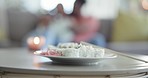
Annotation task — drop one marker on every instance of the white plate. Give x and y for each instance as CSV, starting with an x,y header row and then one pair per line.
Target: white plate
x,y
80,61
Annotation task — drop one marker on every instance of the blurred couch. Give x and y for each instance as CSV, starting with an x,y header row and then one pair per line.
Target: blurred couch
x,y
124,34
129,33
20,23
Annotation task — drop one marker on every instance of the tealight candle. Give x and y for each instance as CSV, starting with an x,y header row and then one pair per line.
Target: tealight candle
x,y
35,43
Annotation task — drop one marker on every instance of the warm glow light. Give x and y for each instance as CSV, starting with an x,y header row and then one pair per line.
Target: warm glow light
x,y
145,4
36,40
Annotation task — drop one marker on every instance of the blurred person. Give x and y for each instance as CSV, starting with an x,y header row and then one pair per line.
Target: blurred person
x,y
86,28
43,30
61,25
60,10
55,29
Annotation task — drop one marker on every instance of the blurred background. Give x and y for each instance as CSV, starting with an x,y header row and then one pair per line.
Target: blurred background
x,y
120,25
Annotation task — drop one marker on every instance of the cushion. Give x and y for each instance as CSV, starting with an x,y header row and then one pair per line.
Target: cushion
x,y
129,27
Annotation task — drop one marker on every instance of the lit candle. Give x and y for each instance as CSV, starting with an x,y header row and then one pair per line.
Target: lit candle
x,y
36,40
35,43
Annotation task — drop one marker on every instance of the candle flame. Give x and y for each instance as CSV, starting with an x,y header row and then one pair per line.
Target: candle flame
x,y
36,40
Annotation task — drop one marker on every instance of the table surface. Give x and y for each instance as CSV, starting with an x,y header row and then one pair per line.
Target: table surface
x,y
21,60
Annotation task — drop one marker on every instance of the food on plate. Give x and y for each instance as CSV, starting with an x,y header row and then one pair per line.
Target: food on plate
x,y
68,45
74,50
51,47
51,53
69,52
89,51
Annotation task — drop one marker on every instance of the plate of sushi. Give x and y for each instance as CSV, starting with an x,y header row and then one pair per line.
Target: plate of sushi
x,y
75,54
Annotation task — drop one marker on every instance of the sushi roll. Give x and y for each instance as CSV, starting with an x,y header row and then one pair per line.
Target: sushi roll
x,y
69,52
89,51
77,50
99,52
68,45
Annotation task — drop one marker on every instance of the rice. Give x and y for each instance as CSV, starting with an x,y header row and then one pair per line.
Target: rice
x,y
51,47
99,52
68,45
79,50
89,51
70,52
